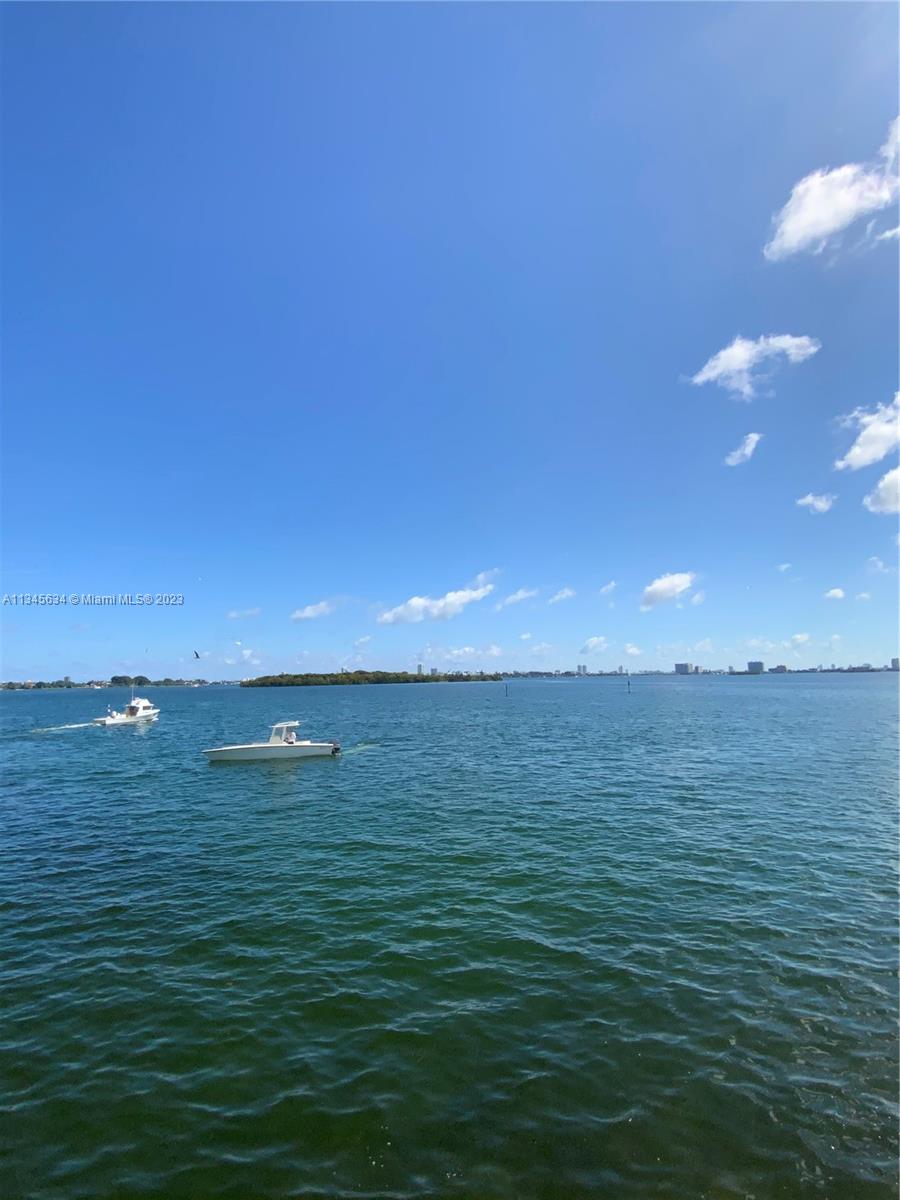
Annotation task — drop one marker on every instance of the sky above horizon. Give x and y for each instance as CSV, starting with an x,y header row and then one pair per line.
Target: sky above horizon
x,y
482,336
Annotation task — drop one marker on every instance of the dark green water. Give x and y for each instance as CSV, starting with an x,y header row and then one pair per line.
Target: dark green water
x,y
567,943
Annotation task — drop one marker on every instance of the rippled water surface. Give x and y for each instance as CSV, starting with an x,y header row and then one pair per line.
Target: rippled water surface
x,y
567,942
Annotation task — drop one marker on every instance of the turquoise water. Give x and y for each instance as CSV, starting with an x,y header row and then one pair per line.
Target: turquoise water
x,y
566,943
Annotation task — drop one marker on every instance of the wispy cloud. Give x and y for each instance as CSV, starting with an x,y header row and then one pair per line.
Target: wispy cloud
x,y
666,587
360,642
526,637
764,644
515,598
863,596
608,588
799,639
816,504
885,496
698,598
889,235
834,594
594,645
311,611
879,434
251,657
784,567
236,614
632,650
417,608
565,593
468,652
733,368
744,452
876,566
828,201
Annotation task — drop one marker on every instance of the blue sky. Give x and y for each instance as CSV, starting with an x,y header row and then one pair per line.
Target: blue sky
x,y
312,310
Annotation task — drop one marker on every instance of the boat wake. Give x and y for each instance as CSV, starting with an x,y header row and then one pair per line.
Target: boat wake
x,y
57,728
359,749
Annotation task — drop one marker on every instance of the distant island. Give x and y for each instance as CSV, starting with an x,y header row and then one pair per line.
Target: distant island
x,y
346,678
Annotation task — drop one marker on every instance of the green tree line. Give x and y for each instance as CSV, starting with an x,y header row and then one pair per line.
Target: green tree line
x,y
347,678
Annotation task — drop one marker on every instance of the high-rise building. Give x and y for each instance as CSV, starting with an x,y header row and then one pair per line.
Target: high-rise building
x,y
895,664
683,668
755,668
434,671
421,670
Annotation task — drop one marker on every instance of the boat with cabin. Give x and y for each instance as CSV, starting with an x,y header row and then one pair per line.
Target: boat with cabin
x,y
136,712
283,744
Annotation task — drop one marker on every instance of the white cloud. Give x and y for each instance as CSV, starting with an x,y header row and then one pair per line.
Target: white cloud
x,y
698,598
594,645
526,637
311,611
360,642
462,652
744,450
666,587
250,656
760,643
827,201
237,613
799,639
634,651
516,598
863,596
417,608
608,588
541,648
889,235
784,567
834,594
703,647
733,367
877,567
879,434
816,504
885,496
565,593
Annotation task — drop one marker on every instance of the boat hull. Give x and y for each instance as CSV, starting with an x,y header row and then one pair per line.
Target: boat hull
x,y
268,751
108,722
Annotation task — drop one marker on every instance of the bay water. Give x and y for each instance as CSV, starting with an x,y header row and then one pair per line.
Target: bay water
x,y
550,939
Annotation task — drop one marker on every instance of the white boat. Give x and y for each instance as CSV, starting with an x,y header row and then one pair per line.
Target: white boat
x,y
283,743
135,712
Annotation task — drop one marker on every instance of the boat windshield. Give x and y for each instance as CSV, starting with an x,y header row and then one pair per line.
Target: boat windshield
x,y
283,733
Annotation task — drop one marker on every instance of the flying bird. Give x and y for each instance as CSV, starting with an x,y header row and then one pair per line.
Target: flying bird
x,y
196,655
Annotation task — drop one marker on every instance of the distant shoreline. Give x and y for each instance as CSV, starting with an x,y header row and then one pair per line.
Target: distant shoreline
x,y
359,678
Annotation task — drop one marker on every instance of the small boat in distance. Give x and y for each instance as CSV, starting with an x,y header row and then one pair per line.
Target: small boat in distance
x,y
282,744
135,712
